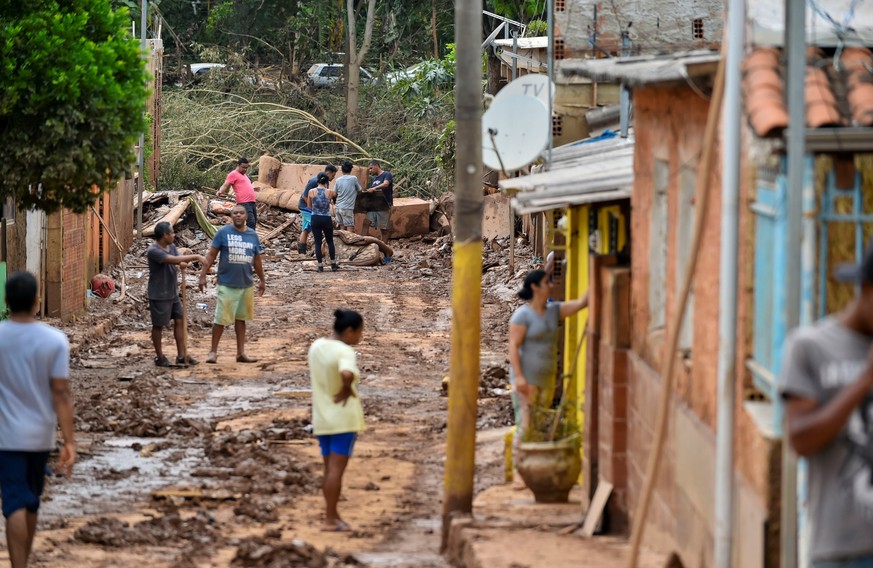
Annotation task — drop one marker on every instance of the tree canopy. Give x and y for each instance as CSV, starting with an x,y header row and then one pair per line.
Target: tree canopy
x,y
71,101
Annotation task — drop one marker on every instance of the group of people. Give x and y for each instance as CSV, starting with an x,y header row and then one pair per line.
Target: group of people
x,y
315,204
35,394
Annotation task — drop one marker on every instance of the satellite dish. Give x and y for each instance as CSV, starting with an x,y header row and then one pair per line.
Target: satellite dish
x,y
531,85
519,128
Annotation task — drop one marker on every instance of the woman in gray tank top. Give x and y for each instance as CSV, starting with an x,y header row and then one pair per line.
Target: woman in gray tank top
x,y
533,350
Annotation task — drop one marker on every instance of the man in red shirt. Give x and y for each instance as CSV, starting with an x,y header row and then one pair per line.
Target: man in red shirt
x,y
243,190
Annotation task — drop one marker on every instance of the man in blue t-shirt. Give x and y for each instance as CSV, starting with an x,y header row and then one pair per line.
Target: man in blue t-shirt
x,y
381,219
305,212
240,254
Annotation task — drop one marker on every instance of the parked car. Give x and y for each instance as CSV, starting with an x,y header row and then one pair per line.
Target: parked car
x,y
330,74
201,69
393,77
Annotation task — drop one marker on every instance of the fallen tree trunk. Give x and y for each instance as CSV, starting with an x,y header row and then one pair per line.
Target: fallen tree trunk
x,y
172,217
283,198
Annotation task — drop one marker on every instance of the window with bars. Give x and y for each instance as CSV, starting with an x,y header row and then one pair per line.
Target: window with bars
x,y
697,28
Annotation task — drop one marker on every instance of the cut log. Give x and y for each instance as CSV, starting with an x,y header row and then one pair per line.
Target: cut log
x,y
410,217
268,170
282,198
440,223
495,216
172,217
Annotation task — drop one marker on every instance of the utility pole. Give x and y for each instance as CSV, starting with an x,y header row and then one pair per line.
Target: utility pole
x,y
727,308
140,161
466,267
795,49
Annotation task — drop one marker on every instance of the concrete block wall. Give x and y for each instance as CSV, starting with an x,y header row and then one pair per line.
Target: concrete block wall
x,y
658,25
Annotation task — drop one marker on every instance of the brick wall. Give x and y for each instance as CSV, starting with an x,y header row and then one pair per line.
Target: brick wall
x,y
612,397
681,517
73,277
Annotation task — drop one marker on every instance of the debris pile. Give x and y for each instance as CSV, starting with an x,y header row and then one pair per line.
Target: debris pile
x,y
131,410
247,456
171,527
257,552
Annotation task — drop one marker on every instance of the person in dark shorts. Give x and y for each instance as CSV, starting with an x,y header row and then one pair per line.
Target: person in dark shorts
x,y
305,211
35,398
382,181
163,291
337,413
243,190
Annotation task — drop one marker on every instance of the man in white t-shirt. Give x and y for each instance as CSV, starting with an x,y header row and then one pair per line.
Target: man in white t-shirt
x,y
34,398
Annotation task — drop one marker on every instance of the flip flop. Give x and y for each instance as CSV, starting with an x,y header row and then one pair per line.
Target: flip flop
x,y
245,359
162,362
212,358
341,526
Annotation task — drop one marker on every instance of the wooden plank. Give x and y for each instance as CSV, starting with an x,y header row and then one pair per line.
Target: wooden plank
x,y
595,511
272,234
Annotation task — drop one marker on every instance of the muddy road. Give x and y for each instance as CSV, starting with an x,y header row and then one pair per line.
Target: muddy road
x,y
214,465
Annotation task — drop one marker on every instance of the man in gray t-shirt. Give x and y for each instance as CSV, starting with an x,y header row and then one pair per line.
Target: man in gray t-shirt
x,y
347,188
827,382
35,399
163,292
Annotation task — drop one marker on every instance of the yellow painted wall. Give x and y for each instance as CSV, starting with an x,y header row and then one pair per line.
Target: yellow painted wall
x,y
576,282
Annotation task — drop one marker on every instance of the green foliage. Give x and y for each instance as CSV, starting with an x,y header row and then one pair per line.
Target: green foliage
x,y
521,10
430,78
179,174
71,101
537,28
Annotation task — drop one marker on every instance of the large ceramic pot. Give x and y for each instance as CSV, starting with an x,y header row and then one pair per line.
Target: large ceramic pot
x,y
549,469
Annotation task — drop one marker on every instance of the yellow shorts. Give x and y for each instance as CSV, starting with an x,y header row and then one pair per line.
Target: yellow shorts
x,y
234,304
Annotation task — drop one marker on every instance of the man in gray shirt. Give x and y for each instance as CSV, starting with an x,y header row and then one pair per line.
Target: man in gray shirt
x,y
163,292
35,398
347,188
827,382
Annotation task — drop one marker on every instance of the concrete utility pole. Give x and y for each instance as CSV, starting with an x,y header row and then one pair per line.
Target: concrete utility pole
x,y
727,309
466,266
140,161
795,49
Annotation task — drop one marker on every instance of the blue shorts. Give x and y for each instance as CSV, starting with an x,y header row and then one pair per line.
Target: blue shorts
x,y
341,444
306,215
22,478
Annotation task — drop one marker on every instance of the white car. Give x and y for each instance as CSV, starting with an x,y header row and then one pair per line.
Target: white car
x,y
400,75
330,74
201,69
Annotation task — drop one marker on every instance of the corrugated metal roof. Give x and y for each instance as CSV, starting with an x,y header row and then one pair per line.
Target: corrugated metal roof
x,y
525,43
588,172
645,69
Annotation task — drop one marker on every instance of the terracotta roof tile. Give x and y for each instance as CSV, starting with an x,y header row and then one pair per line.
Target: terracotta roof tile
x,y
765,92
840,95
858,64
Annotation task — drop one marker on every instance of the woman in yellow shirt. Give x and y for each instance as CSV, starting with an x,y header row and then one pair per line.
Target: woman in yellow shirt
x,y
337,414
